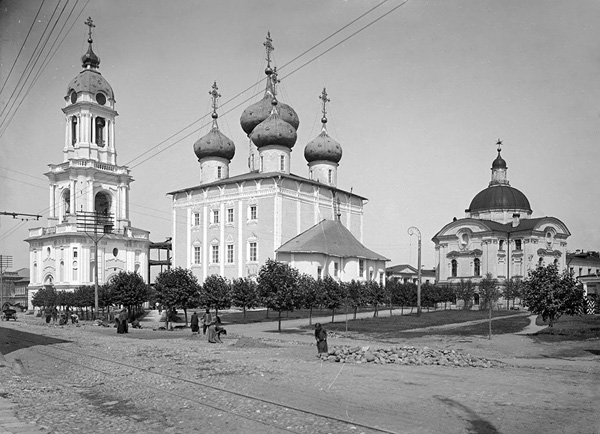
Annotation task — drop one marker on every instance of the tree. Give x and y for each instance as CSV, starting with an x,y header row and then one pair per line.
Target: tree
x,y
355,294
278,286
244,294
216,292
44,297
177,288
489,291
375,295
332,294
464,290
310,297
512,290
128,289
551,294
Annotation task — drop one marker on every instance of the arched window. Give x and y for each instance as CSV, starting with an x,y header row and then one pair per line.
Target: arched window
x,y
100,122
73,130
454,268
541,262
477,267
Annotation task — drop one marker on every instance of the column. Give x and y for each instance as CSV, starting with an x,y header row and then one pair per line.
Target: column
x,y
67,132
52,203
205,245
188,235
240,243
72,187
222,247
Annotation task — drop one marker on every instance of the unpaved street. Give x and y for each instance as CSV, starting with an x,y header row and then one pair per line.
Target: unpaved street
x,y
89,379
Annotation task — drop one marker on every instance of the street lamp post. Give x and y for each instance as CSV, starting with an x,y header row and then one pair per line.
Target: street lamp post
x,y
414,231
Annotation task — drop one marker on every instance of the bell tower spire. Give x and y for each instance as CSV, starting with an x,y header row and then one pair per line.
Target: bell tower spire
x,y
499,168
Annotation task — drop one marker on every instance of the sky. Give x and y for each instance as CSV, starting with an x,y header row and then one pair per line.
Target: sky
x,y
420,93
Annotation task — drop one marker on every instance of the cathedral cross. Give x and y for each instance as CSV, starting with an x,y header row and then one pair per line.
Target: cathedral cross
x,y
323,97
90,24
499,144
269,47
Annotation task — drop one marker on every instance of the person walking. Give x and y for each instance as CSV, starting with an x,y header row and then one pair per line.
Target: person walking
x,y
195,323
206,320
321,337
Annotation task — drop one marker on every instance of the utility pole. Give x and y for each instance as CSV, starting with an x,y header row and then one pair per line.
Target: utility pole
x,y
20,214
5,262
414,231
96,226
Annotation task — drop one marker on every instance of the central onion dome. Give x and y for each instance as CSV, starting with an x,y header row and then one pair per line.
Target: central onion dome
x,y
499,163
90,80
260,111
274,131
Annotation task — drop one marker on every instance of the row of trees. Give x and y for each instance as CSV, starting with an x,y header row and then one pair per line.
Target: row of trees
x,y
280,287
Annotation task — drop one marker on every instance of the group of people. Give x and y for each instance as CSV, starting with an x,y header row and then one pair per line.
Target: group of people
x,y
52,314
213,326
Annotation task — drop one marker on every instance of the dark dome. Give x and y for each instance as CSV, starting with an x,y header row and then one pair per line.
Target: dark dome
x,y
499,163
214,144
261,110
500,197
323,147
274,131
90,81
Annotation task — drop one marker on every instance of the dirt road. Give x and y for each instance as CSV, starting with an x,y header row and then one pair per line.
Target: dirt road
x,y
91,379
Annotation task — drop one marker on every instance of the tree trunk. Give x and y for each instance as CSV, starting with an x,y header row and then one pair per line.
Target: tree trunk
x,y
310,316
333,315
355,310
490,323
185,314
244,309
279,323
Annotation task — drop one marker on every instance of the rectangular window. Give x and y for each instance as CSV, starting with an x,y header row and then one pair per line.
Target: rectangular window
x,y
361,268
74,252
252,254
215,216
501,247
329,176
219,172
215,254
197,255
229,215
336,269
230,253
517,244
252,212
319,271
196,219
282,163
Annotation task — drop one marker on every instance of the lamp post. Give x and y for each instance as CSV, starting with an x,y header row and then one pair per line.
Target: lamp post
x,y
414,231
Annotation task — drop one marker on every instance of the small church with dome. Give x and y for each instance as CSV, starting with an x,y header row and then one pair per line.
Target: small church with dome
x,y
498,235
230,225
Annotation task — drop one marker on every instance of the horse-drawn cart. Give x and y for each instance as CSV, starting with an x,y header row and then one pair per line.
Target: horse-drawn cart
x,y
8,314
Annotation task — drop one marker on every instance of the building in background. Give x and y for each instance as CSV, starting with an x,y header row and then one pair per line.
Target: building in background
x,y
230,225
89,195
14,288
499,236
405,273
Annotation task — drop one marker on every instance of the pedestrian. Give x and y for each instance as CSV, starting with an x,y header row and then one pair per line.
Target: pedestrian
x,y
194,323
54,314
48,314
122,318
206,320
321,337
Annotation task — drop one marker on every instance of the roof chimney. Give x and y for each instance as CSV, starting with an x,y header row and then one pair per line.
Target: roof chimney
x,y
515,221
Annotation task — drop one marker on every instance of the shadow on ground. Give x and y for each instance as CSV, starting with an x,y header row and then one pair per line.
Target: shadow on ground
x,y
13,340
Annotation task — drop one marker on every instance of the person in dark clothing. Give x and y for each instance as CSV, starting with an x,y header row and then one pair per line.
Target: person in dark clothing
x,y
321,337
195,323
122,318
206,320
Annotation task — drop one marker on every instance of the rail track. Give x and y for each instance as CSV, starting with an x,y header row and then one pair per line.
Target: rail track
x,y
255,413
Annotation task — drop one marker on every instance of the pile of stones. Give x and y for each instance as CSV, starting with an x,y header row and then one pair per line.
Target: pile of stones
x,y
405,355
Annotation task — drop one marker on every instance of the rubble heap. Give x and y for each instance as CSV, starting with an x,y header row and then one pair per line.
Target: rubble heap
x,y
405,355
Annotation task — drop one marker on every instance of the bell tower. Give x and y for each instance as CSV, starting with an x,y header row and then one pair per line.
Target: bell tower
x,y
89,178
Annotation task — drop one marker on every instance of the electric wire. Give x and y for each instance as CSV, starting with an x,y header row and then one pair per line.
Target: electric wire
x,y
22,45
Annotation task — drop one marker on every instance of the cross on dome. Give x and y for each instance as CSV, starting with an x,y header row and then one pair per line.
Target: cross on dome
x,y
269,48
214,93
499,144
90,23
323,97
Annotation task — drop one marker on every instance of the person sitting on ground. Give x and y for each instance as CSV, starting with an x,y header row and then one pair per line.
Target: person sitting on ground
x,y
136,324
74,318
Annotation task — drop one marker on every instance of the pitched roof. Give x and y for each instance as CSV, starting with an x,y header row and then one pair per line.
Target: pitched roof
x,y
329,237
256,175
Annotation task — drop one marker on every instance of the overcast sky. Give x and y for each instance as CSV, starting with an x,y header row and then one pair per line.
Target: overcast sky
x,y
418,100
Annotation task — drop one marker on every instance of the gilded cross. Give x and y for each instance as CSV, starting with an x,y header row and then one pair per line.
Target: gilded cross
x,y
323,97
269,47
214,93
90,24
499,144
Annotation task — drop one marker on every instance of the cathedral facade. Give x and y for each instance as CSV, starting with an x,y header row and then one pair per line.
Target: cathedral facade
x,y
230,225
88,230
499,235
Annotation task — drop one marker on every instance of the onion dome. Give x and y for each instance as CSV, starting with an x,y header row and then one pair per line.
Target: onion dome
x,y
500,197
499,162
90,80
323,147
215,143
259,111
274,131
